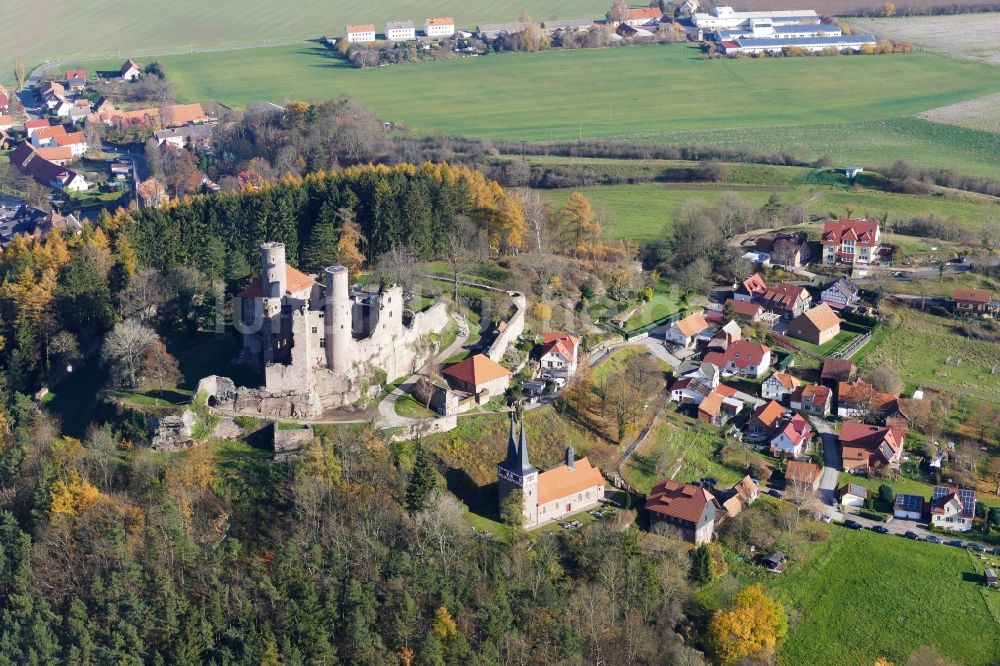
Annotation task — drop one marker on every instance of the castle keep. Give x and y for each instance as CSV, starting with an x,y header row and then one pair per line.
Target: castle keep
x,y
320,345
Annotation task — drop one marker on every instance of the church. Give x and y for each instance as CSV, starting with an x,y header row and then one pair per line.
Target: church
x,y
547,496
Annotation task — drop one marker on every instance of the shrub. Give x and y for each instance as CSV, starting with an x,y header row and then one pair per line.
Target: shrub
x,y
874,515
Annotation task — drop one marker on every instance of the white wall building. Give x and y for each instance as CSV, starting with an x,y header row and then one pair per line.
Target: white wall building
x,y
400,31
727,17
360,34
442,26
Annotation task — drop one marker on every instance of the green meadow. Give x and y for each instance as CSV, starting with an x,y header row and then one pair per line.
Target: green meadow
x,y
850,109
104,28
642,212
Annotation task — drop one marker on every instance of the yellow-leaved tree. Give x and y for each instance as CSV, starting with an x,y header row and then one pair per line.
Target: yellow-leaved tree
x,y
755,624
73,495
578,222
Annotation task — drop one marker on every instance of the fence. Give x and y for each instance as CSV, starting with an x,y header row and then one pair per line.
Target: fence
x,y
855,345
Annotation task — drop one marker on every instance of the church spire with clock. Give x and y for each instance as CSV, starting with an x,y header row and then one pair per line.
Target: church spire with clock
x,y
516,472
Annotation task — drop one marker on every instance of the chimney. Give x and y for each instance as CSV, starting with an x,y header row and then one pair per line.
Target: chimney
x,y
570,458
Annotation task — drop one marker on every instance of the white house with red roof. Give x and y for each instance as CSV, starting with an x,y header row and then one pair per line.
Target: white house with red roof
x,y
76,79
687,508
560,354
441,26
750,289
685,332
643,17
779,386
360,34
851,241
743,357
792,437
867,447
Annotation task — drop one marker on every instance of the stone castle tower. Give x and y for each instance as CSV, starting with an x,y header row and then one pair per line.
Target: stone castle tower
x,y
517,473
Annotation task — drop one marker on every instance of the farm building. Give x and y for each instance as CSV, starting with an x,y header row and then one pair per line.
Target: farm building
x,y
722,18
818,325
815,44
766,29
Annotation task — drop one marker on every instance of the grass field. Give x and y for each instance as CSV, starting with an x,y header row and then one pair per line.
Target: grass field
x,y
642,212
102,28
680,449
864,595
858,108
918,349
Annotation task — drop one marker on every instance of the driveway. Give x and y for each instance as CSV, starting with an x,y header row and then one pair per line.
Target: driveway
x,y
388,418
831,457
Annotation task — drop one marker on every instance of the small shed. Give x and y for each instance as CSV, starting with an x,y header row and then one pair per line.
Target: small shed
x,y
776,562
990,578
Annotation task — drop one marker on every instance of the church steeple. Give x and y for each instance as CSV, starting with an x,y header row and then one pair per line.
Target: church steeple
x,y
512,442
524,462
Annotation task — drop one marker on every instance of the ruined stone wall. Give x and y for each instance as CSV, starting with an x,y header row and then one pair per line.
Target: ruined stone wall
x,y
515,327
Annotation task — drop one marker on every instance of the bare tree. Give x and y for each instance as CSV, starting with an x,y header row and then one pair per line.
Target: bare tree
x,y
885,380
459,249
145,295
396,266
536,211
123,349
101,444
159,364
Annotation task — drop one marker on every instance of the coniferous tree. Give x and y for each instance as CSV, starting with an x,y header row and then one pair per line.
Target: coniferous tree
x,y
423,481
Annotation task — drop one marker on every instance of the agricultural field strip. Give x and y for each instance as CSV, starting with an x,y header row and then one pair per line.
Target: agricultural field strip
x,y
967,36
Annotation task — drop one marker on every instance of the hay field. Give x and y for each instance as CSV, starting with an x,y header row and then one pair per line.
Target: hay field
x,y
969,36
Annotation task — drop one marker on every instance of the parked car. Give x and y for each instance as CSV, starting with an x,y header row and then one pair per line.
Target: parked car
x,y
709,481
853,524
774,492
976,547
956,543
880,529
932,539
910,534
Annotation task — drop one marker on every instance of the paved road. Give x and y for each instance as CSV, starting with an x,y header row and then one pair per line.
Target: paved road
x,y
388,418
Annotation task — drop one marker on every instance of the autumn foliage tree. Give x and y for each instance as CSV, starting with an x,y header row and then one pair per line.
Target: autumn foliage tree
x,y
753,625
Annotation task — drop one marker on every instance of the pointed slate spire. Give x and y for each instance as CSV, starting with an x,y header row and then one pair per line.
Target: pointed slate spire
x,y
526,466
512,444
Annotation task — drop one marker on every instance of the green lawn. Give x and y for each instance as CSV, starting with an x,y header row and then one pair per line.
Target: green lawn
x,y
408,406
862,595
839,341
642,212
852,109
684,446
917,351
667,300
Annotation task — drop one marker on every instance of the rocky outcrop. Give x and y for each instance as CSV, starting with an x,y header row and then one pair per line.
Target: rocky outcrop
x,y
288,443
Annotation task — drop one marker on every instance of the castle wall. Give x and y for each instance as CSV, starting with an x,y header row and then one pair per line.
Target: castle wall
x,y
515,327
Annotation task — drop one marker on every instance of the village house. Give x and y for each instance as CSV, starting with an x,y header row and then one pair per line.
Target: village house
x,y
791,436
953,508
643,17
852,494
764,421
803,476
559,355
779,386
866,448
744,311
724,336
79,111
973,301
174,115
786,299
851,241
479,376
199,137
439,27
28,160
362,33
814,399
32,126
56,135
719,405
690,509
130,70
908,507
751,289
28,221
902,413
741,495
52,94
744,358
76,79
818,325
400,31
6,122
785,249
835,371
840,294
685,332
4,99
859,399
547,496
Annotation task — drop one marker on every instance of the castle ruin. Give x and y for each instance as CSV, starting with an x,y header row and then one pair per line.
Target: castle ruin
x,y
320,346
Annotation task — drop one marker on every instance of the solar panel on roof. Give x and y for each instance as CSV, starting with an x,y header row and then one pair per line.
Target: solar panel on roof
x,y
968,498
909,502
941,491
